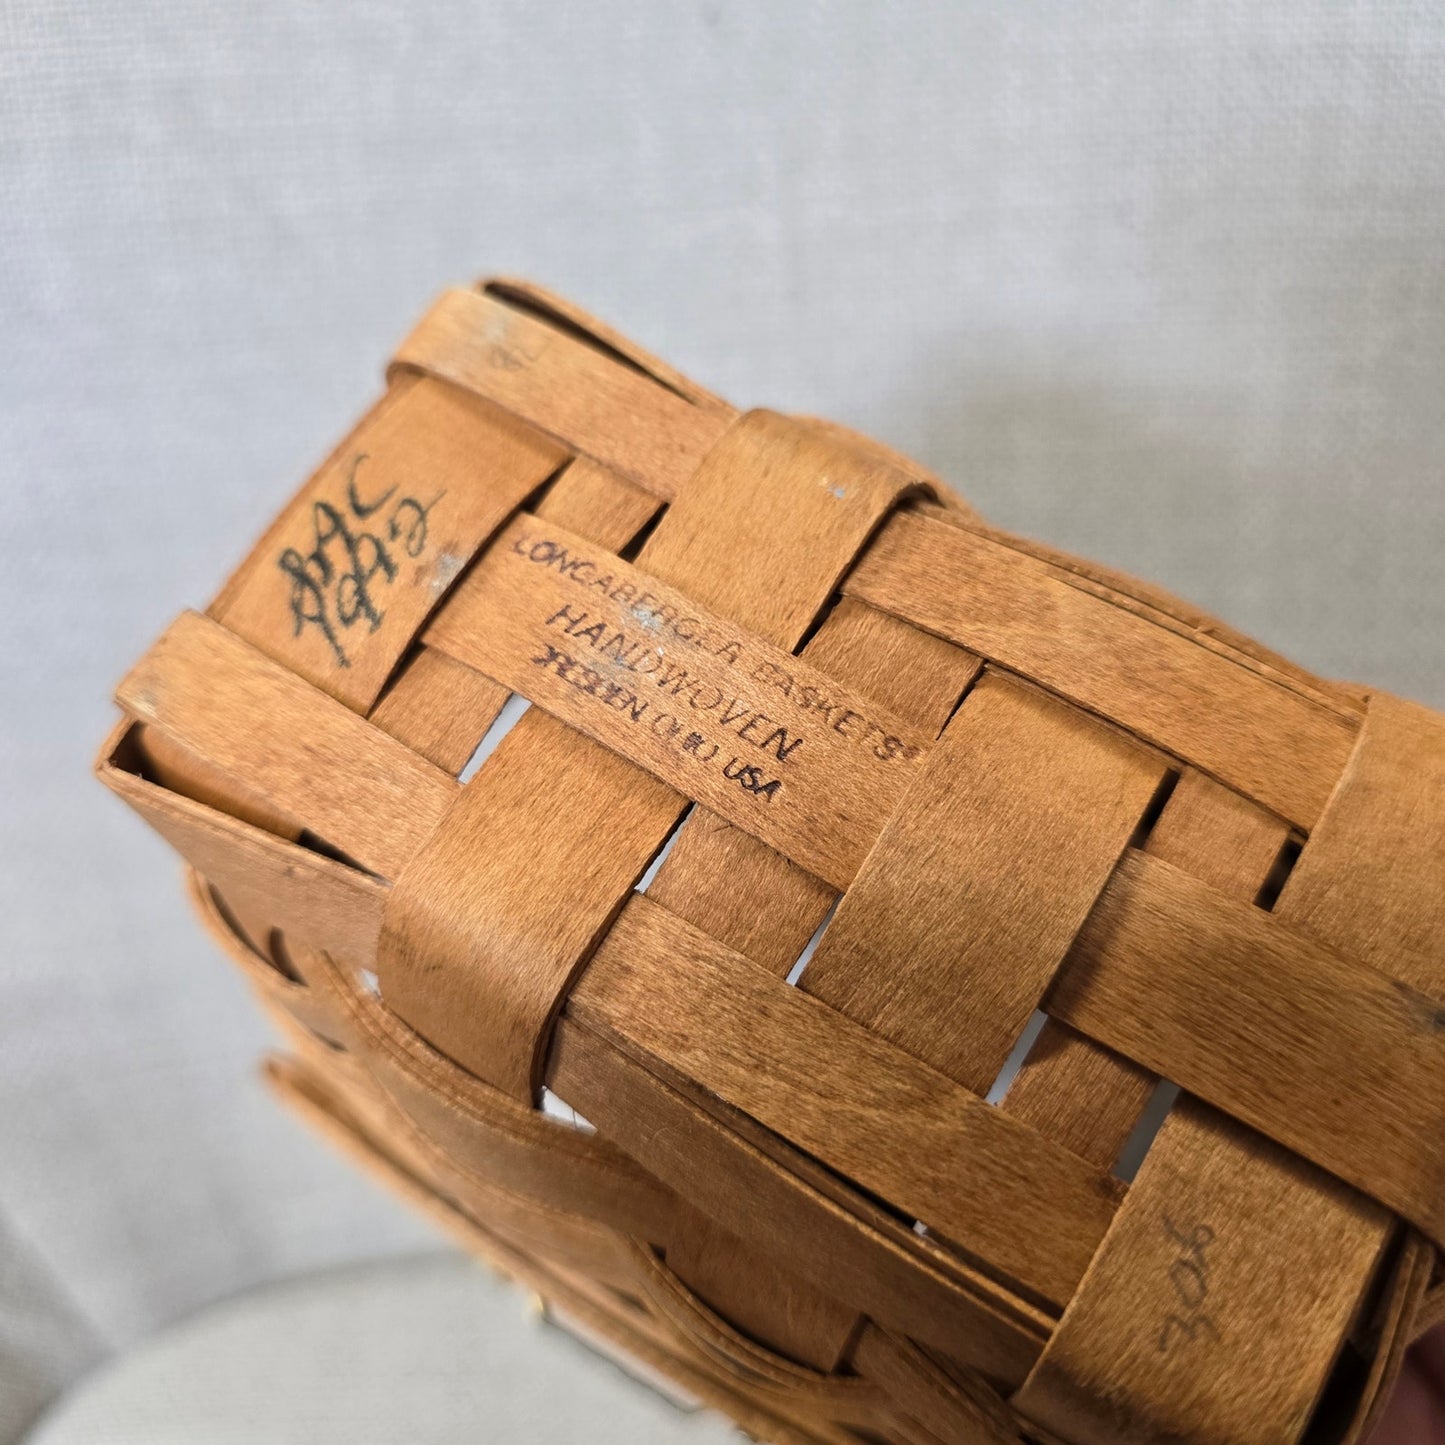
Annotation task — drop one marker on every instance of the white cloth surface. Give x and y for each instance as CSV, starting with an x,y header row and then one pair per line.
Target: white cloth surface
x,y
1161,283
431,1350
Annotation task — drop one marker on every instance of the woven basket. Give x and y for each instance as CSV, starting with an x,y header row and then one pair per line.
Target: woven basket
x,y
684,994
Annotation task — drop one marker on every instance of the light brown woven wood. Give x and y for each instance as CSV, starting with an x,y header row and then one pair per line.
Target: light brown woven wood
x,y
824,790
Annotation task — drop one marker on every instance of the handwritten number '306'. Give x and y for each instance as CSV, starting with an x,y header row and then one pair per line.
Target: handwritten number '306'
x,y
1189,1279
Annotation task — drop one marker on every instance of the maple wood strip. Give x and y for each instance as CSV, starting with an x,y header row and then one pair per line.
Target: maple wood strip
x,y
336,1071
744,893
950,934
164,761
1163,1339
759,1295
790,499
567,389
1329,1058
763,739
944,502
371,544
459,958
838,1404
597,504
1262,739
963,1409
1431,1311
551,814
558,311
537,1227
157,759
512,1145
741,892
335,907
605,1318
800,504
308,1008
561,1235
393,396
1390,1333
300,750
914,675
245,934
696,1320
1368,882
750,1194
1087,1097
751,1219
1218,1384
1218,836
1371,880
829,1403
769,486
1079,1094
869,1213
1164,607
839,1093
440,708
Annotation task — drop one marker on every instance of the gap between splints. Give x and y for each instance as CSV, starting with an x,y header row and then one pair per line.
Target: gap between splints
x,y
538,310
1017,1055
1278,876
502,724
811,946
1155,808
660,857
1141,1136
560,1110
640,538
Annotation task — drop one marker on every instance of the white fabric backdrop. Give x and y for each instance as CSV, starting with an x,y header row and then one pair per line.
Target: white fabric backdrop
x,y
1163,284
418,1350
